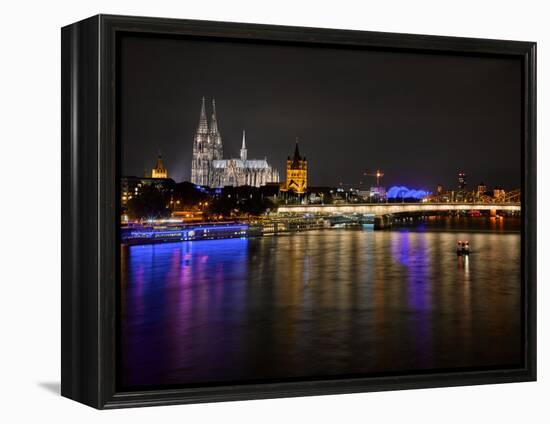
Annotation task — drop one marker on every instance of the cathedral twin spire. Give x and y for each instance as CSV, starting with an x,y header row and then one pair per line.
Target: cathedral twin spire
x,y
203,122
204,126
208,138
207,146
213,119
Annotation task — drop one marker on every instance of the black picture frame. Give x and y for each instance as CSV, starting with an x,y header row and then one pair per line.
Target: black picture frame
x,y
90,207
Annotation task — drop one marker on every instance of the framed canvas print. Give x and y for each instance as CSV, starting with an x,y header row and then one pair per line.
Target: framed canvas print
x,y
256,211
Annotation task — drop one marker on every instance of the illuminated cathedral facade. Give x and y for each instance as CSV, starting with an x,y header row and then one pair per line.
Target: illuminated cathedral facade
x,y
209,168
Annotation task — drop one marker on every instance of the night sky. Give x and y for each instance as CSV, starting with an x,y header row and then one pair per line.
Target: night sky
x,y
420,118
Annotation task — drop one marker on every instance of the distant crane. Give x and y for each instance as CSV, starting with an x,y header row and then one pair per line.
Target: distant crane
x,y
378,174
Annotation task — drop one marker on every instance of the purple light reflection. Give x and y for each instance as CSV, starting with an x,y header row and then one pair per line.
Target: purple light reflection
x,y
173,309
411,250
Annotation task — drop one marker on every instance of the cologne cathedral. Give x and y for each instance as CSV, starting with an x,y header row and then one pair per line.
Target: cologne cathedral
x,y
209,168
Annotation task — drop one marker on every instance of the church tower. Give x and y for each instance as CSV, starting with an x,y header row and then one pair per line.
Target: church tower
x,y
159,171
202,151
214,135
296,173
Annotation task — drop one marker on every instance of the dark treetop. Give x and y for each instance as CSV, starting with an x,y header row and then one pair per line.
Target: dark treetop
x,y
419,117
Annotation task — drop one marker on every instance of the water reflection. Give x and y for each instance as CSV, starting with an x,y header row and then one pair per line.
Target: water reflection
x,y
318,304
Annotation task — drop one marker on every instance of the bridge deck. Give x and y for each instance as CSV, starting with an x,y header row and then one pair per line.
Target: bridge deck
x,y
395,208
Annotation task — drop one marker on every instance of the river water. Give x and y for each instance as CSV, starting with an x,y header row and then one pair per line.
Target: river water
x,y
323,303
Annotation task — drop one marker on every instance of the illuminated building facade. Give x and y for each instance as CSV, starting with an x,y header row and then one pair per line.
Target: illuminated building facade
x,y
378,193
402,192
159,171
242,171
296,173
481,189
499,193
209,168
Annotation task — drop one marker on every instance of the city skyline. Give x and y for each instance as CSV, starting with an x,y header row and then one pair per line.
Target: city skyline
x,y
343,130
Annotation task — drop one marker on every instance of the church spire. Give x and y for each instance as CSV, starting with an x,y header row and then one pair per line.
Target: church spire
x,y
214,120
202,153
203,122
296,152
243,148
215,137
159,163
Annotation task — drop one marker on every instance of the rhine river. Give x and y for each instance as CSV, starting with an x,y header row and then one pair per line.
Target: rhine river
x,y
322,303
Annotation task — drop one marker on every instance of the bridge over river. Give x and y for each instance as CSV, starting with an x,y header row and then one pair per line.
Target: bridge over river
x,y
381,209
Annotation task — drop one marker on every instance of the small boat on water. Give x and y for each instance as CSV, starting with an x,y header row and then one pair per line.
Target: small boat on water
x,y
462,248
